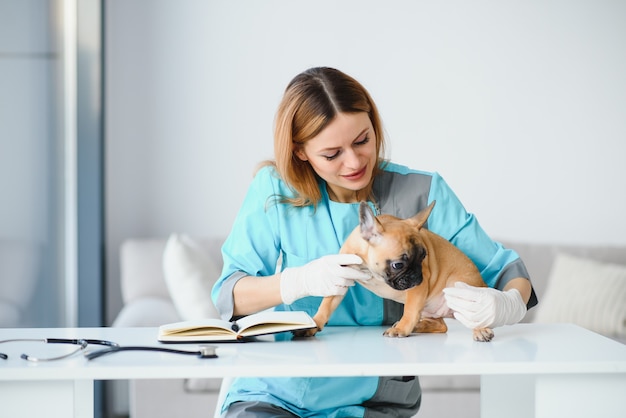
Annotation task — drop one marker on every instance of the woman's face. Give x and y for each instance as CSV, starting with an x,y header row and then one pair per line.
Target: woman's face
x,y
343,154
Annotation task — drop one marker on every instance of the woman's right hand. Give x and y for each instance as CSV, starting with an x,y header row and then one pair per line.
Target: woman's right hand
x,y
329,275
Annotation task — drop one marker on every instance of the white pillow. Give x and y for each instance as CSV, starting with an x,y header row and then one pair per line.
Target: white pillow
x,y
585,292
189,274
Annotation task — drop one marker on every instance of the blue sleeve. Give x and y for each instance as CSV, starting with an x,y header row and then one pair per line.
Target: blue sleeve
x,y
497,265
252,247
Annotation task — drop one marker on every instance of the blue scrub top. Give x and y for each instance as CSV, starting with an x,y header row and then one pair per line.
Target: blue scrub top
x,y
266,231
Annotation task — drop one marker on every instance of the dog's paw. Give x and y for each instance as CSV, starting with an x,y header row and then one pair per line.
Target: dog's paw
x,y
305,332
395,332
483,334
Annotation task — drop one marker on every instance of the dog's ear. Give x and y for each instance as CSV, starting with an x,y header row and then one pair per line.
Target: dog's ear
x,y
422,216
371,228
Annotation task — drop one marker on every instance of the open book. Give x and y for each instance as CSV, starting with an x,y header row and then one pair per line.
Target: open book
x,y
261,323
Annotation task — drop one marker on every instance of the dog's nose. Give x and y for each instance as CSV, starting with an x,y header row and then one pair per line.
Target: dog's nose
x,y
406,280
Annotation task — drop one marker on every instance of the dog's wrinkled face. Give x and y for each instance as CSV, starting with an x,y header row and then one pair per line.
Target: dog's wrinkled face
x,y
398,262
395,249
406,272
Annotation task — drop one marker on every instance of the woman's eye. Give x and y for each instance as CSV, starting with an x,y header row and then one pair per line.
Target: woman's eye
x,y
363,141
331,157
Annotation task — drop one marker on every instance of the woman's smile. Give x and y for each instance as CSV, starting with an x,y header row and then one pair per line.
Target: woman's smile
x,y
356,175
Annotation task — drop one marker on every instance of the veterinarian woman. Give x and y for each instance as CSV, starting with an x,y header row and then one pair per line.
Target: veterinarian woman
x,y
300,208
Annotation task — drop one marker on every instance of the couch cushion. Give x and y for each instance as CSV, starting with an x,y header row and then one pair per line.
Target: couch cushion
x,y
147,312
189,275
586,292
19,270
539,258
141,269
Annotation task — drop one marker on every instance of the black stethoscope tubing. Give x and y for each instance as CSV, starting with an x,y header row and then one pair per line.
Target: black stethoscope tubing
x,y
203,352
206,351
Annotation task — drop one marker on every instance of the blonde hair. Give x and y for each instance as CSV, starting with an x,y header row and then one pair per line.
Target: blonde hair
x,y
310,102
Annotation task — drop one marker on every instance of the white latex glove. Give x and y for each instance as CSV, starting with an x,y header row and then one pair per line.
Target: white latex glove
x,y
330,275
484,307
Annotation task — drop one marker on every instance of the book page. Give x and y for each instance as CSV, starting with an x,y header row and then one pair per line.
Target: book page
x,y
196,327
274,321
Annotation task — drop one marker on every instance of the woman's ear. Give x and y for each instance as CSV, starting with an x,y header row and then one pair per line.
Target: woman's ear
x,y
300,154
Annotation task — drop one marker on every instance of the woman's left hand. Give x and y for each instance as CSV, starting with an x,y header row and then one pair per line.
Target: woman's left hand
x,y
484,307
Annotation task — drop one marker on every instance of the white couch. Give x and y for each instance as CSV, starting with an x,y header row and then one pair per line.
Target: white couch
x,y
149,302
19,272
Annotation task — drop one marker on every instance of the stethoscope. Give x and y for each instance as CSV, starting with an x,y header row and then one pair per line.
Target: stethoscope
x,y
204,351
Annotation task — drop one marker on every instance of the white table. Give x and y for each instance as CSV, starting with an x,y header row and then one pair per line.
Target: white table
x,y
528,370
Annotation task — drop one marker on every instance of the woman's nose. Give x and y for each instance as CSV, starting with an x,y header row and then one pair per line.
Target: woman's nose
x,y
351,159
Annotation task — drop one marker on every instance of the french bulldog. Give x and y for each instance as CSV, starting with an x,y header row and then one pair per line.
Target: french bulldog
x,y
408,264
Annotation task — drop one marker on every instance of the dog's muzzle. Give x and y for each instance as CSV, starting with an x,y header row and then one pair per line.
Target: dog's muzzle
x,y
405,280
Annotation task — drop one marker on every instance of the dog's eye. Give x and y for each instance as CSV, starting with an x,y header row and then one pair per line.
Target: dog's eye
x,y
397,265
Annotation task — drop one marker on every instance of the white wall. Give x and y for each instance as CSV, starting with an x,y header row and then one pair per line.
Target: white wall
x,y
520,105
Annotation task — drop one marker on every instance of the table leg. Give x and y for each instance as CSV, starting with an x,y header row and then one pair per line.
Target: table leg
x,y
47,398
546,396
511,396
